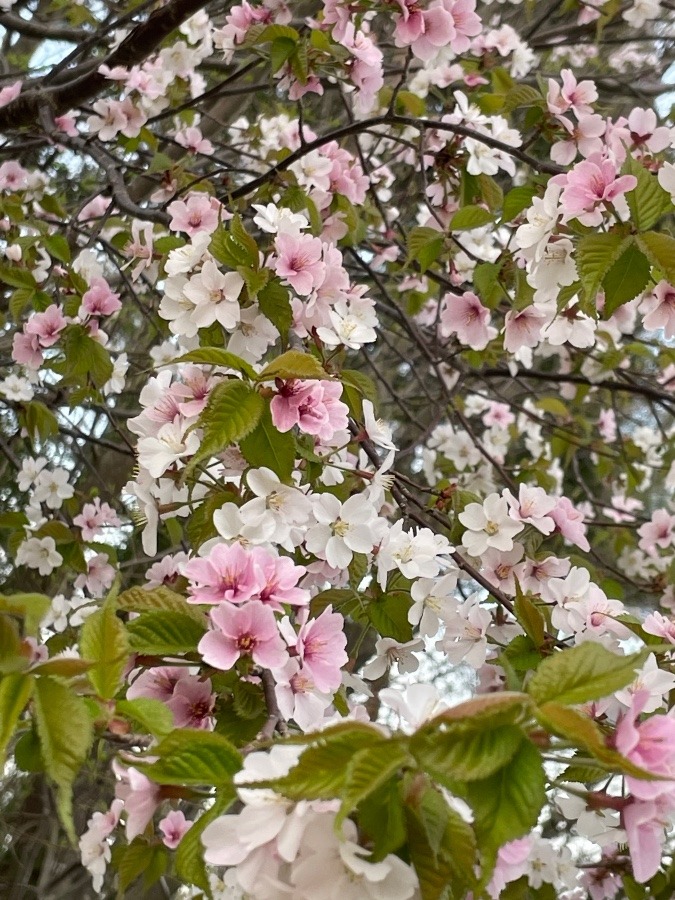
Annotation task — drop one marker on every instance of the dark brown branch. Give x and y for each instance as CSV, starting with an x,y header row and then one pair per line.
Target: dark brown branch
x,y
35,29
137,46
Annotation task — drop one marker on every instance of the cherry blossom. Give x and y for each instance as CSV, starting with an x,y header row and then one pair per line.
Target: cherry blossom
x,y
246,630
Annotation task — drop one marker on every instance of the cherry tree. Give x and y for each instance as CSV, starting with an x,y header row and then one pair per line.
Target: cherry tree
x,y
336,422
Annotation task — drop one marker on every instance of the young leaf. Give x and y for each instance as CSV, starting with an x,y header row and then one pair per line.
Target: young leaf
x,y
216,356
164,633
15,692
470,217
156,600
424,246
368,769
596,253
233,410
627,278
104,641
586,672
507,804
660,251
153,716
64,727
190,756
267,446
293,364
459,752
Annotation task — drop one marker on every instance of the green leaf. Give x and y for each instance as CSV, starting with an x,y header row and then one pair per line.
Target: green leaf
x,y
517,200
470,217
382,821
11,657
64,727
233,410
234,247
649,201
293,364
275,303
521,96
280,51
104,641
424,246
190,865
57,247
85,359
153,716
389,615
368,769
17,277
248,699
32,608
322,769
530,618
40,421
507,804
267,446
216,356
491,192
15,692
627,278
164,633
586,672
19,300
442,846
660,251
460,752
190,756
158,599
575,726
486,283
363,384
595,256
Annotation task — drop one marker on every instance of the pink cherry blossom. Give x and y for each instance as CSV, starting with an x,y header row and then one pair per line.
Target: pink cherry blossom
x,y
298,697
523,328
572,95
47,326
649,744
314,406
26,350
226,574
466,317
9,93
192,703
320,646
645,823
100,299
591,185
246,630
173,826
658,309
157,683
198,213
658,532
141,798
533,507
425,31
660,625
645,132
570,523
13,176
278,577
298,261
95,516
